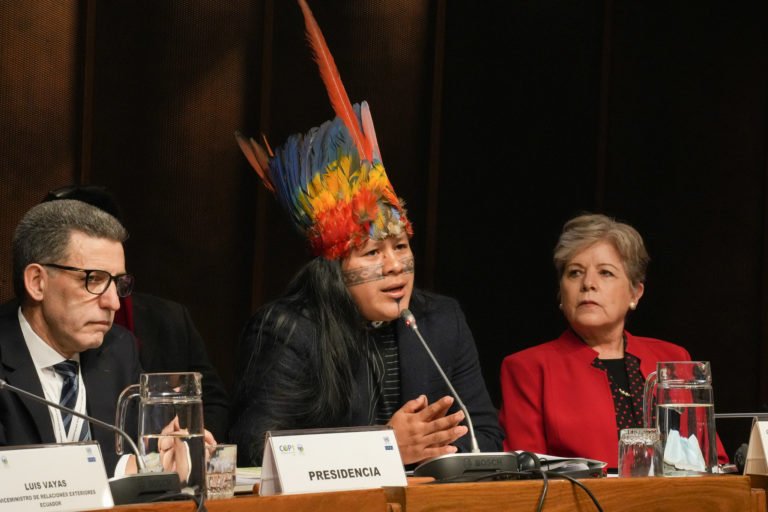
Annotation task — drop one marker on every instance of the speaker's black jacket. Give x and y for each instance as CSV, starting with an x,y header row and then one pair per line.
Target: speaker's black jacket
x,y
277,386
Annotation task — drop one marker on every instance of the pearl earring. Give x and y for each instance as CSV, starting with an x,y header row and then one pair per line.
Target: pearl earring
x,y
632,305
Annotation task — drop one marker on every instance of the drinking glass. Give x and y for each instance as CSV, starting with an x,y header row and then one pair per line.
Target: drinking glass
x,y
221,468
640,452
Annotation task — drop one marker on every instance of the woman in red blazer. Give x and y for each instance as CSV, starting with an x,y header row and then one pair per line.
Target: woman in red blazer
x,y
570,397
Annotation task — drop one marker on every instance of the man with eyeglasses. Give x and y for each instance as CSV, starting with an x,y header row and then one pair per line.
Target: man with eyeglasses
x,y
167,338
68,275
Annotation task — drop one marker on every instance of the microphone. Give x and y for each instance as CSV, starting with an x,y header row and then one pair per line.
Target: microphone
x,y
144,486
456,466
410,321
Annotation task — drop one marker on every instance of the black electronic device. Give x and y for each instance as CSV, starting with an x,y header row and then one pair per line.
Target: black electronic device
x,y
460,467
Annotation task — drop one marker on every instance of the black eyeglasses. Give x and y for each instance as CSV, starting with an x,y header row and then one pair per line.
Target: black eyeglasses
x,y
97,281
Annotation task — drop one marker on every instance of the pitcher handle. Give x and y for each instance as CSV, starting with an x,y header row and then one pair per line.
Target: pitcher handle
x,y
648,393
125,397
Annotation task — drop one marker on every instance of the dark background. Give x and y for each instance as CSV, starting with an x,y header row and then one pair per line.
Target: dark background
x,y
497,121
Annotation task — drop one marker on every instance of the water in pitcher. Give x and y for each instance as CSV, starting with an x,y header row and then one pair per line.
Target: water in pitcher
x,y
689,438
181,453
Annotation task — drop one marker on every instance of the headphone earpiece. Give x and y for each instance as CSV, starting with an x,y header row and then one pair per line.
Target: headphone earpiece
x,y
527,461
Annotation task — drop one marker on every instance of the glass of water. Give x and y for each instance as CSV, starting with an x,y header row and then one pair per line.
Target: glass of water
x,y
640,452
221,469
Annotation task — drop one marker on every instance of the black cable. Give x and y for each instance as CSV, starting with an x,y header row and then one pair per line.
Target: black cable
x,y
201,504
545,476
544,490
555,474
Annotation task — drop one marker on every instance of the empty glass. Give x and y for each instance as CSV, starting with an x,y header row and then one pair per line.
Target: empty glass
x,y
221,469
640,452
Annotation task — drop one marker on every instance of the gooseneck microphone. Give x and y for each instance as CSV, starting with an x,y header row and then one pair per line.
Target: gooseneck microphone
x,y
410,321
458,466
144,486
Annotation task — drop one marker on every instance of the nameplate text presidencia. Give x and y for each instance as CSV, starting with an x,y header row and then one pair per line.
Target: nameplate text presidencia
x,y
319,460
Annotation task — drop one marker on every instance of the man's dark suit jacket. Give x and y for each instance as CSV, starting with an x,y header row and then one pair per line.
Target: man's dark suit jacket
x,y
277,385
106,371
169,342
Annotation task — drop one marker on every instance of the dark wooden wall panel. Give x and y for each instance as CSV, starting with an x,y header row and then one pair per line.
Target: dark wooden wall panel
x,y
39,110
169,86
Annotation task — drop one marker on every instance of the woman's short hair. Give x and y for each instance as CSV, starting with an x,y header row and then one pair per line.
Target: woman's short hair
x,y
588,229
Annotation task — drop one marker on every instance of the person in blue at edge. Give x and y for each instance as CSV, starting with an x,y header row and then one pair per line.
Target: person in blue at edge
x,y
331,352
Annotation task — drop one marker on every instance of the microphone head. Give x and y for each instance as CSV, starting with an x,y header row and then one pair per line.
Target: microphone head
x,y
408,318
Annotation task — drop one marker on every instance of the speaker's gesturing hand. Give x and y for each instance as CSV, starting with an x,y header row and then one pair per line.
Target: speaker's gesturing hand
x,y
424,431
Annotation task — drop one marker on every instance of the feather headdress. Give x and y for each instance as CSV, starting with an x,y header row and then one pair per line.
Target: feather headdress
x,y
331,180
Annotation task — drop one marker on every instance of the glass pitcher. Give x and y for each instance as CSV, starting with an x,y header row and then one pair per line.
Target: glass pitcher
x,y
679,401
170,425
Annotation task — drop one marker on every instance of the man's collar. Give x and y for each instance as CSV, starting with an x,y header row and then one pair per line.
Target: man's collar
x,y
43,355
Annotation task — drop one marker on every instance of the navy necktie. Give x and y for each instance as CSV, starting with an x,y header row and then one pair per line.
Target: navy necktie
x,y
69,371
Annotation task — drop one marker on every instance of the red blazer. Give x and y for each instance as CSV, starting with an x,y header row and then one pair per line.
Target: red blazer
x,y
555,402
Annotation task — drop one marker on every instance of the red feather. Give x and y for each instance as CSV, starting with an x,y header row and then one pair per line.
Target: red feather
x,y
257,157
330,75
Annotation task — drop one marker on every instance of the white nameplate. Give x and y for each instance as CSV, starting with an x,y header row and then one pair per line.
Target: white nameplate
x,y
319,460
757,453
60,477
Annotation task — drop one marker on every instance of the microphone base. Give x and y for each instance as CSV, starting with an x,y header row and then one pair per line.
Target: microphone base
x,y
458,467
143,487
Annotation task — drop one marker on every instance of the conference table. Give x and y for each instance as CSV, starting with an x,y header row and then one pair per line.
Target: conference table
x,y
722,493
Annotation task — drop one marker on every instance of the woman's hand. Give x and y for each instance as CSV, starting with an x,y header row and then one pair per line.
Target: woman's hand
x,y
424,431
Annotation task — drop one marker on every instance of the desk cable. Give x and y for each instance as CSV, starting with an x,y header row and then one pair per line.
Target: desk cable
x,y
545,476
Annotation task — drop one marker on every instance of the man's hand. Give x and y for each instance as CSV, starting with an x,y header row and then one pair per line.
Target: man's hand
x,y
424,431
174,450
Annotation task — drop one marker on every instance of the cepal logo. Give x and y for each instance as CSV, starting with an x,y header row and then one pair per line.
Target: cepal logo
x,y
388,444
300,448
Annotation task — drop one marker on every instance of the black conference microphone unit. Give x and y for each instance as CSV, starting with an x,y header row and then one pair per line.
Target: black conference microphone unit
x,y
468,466
141,487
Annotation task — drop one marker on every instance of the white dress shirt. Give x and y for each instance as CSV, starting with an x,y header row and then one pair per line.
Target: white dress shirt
x,y
44,357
